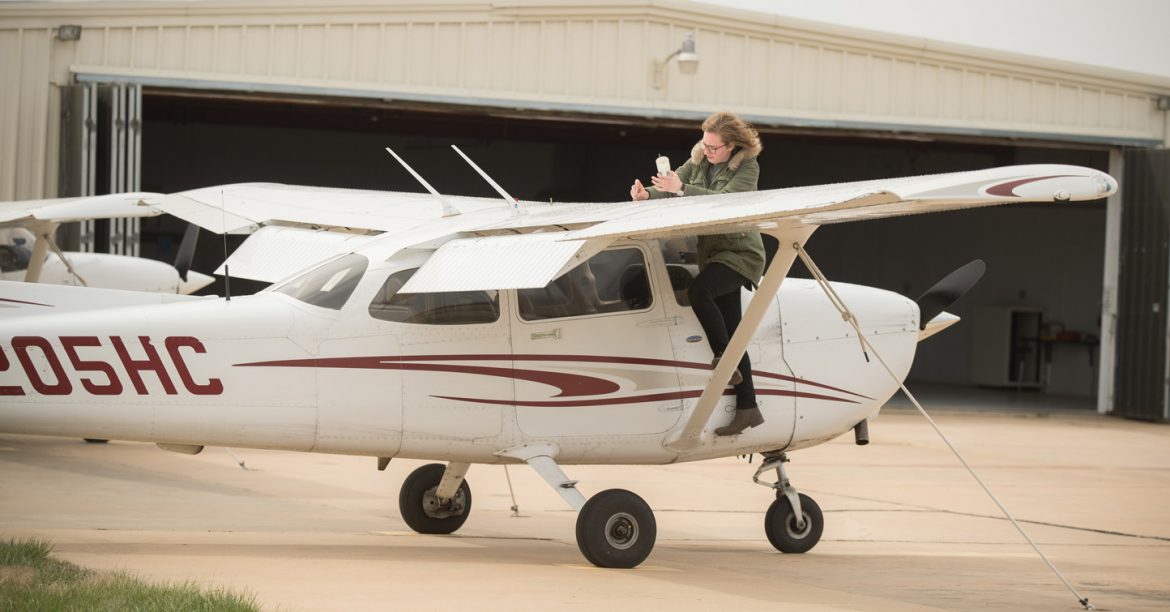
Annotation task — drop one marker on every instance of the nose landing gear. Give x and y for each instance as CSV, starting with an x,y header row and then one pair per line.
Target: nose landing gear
x,y
794,522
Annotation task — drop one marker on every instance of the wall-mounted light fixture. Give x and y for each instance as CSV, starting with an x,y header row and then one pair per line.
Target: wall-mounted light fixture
x,y
69,32
688,61
1163,103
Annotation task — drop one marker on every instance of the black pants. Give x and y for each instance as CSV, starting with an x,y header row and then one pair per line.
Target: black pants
x,y
715,299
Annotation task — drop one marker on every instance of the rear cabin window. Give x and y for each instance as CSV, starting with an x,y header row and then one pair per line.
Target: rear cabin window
x,y
611,281
446,308
328,285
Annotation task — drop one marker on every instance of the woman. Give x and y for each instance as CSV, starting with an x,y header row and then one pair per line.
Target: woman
x,y
724,161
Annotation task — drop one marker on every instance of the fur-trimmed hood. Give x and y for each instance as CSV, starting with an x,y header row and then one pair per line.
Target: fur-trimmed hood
x,y
736,159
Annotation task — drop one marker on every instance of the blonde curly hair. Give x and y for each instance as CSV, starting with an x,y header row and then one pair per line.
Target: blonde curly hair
x,y
733,130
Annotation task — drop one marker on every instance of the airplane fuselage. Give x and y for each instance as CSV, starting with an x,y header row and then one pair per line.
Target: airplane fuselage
x,y
606,381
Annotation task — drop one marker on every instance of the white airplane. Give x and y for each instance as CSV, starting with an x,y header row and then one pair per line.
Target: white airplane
x,y
28,251
479,331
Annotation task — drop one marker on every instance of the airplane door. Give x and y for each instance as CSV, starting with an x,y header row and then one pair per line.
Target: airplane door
x,y
593,355
775,386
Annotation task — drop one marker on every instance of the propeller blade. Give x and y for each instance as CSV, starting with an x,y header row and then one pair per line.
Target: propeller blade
x,y
948,291
186,250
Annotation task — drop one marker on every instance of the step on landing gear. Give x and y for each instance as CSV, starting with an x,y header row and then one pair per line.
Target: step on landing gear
x,y
794,521
435,499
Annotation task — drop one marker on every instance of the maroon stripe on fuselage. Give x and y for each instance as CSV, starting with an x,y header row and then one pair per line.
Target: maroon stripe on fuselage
x,y
635,399
24,302
387,361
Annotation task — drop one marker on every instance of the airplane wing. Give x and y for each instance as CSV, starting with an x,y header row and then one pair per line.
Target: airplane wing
x,y
780,211
24,213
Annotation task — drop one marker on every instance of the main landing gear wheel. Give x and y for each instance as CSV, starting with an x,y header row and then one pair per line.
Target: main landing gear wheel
x,y
786,533
616,528
423,511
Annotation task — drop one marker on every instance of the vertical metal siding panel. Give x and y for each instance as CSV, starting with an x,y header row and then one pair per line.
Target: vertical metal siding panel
x,y
996,96
365,53
731,75
1137,113
974,95
283,62
33,127
1112,111
853,84
577,63
257,46
806,77
395,55
606,59
10,65
881,85
311,52
926,91
118,48
229,49
950,94
1090,111
902,88
634,75
447,44
829,80
1044,103
781,76
526,77
200,49
1071,104
146,51
554,59
502,40
755,75
337,52
1020,94
706,82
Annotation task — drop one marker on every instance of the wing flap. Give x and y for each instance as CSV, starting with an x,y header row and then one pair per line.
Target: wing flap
x,y
521,261
275,252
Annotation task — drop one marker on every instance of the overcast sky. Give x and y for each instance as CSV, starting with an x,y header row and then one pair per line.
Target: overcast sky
x,y
1131,35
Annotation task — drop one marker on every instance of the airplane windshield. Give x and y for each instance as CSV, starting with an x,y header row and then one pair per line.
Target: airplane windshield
x,y
328,285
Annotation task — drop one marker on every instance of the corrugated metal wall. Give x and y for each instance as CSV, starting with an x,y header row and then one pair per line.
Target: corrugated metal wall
x,y
1142,335
586,58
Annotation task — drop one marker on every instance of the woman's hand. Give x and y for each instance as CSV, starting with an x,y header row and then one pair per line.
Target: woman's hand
x,y
638,192
669,183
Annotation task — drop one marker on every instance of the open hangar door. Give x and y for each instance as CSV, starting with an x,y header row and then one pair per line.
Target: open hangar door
x,y
1040,258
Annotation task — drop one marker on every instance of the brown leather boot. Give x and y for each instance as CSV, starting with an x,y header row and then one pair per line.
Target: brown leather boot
x,y
736,377
744,418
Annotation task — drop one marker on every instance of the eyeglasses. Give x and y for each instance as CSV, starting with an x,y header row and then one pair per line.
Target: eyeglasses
x,y
711,149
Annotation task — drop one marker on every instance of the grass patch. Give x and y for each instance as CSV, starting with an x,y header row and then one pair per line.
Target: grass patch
x,y
31,580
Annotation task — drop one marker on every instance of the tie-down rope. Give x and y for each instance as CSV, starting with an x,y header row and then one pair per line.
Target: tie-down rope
x,y
852,320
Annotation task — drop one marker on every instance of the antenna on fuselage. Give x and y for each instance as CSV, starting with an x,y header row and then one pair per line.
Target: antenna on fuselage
x,y
448,210
500,190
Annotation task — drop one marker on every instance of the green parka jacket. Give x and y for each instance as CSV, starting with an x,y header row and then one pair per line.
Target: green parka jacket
x,y
742,252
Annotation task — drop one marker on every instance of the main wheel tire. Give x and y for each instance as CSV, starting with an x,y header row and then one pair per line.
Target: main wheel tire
x,y
421,509
780,525
616,528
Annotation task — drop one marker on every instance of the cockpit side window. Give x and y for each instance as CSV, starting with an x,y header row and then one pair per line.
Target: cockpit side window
x,y
446,308
328,285
611,281
14,258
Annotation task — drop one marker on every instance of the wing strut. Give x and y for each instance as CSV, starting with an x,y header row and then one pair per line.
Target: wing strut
x,y
44,244
691,434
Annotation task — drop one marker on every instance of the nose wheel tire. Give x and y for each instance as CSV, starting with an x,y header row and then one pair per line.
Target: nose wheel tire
x,y
616,528
426,513
786,533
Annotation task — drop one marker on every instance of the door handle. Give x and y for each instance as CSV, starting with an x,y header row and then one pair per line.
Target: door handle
x,y
545,335
667,322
